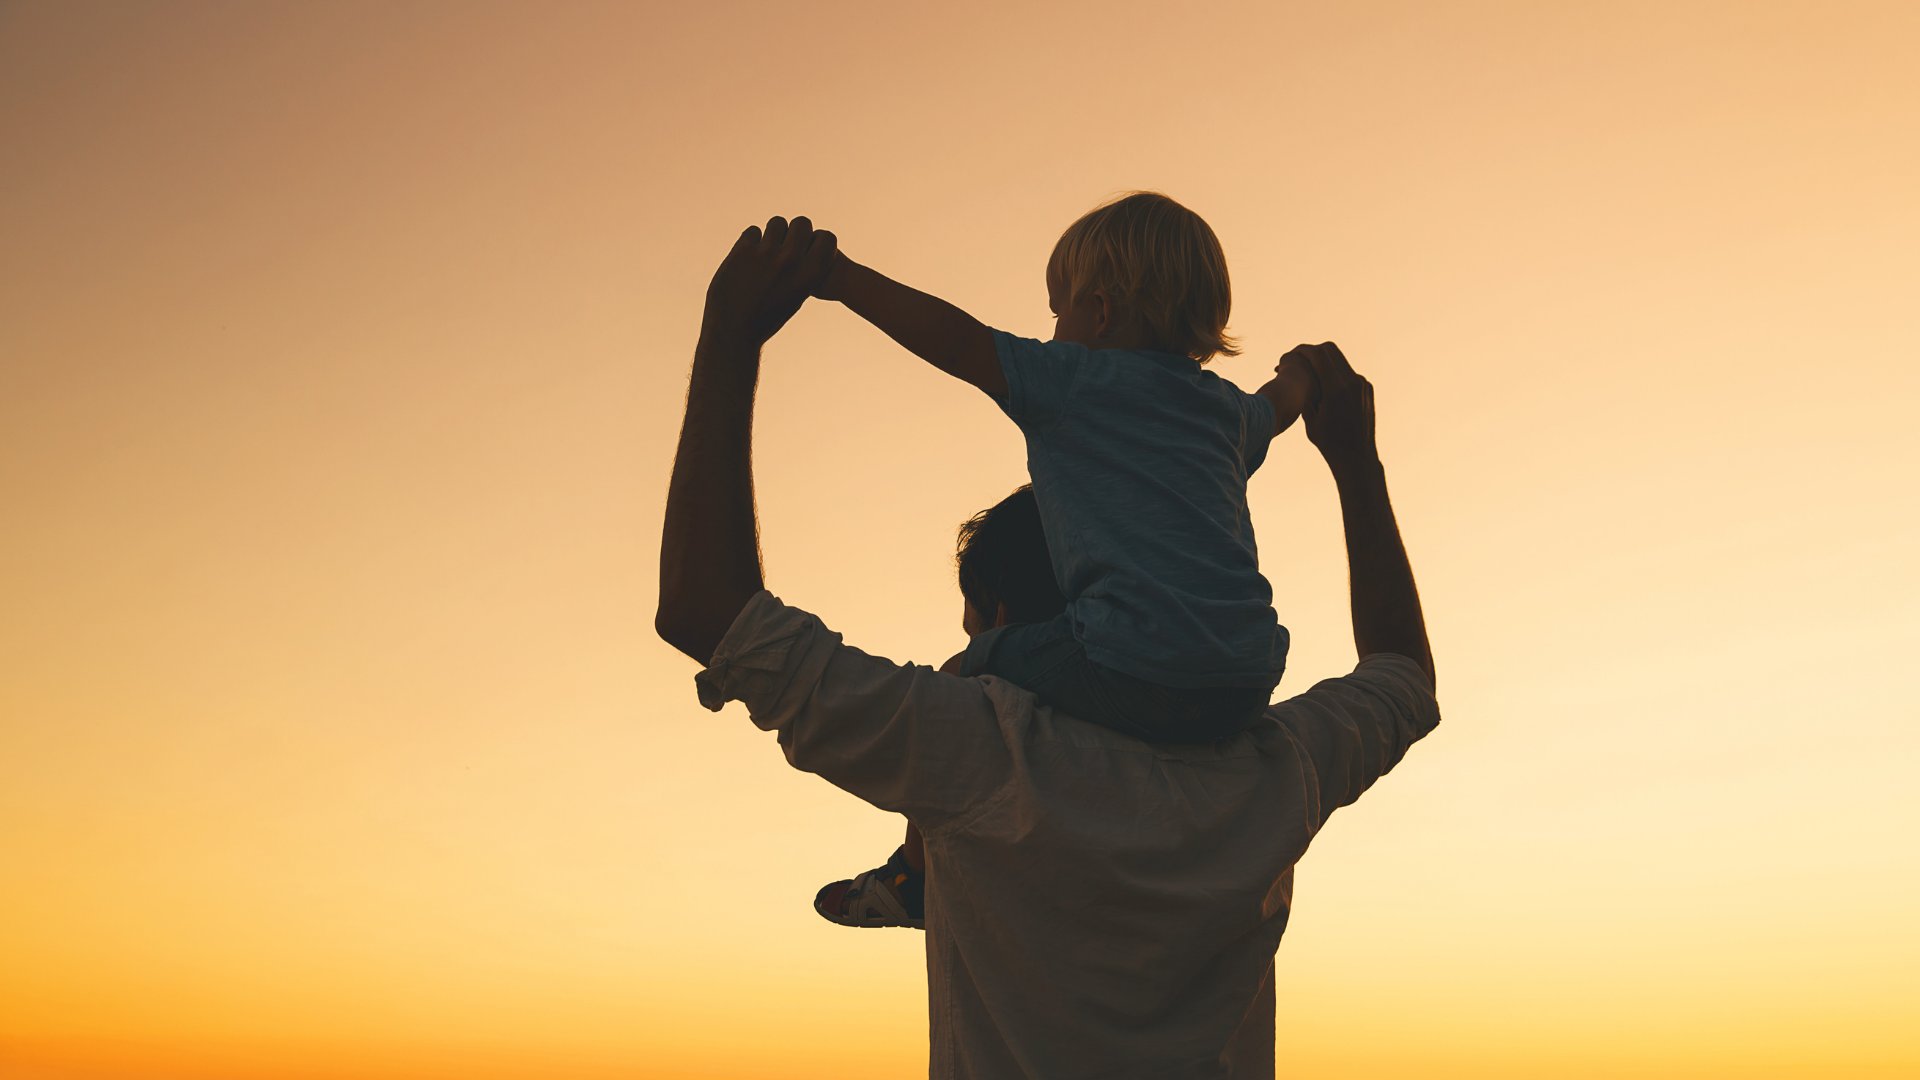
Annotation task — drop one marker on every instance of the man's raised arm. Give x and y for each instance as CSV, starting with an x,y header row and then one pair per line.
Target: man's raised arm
x,y
1386,606
710,543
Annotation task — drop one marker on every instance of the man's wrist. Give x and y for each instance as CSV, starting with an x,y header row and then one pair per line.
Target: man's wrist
x,y
1354,462
721,338
1356,467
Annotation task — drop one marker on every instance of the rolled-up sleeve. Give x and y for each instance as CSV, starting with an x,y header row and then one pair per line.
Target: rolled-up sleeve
x,y
1353,729
903,737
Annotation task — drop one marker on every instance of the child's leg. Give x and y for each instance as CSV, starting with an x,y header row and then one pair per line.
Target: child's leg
x,y
914,851
891,894
1046,660
1173,714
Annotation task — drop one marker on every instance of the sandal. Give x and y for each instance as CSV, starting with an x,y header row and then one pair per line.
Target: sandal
x,y
889,895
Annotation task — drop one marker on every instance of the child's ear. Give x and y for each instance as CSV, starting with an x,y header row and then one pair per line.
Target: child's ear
x,y
1103,319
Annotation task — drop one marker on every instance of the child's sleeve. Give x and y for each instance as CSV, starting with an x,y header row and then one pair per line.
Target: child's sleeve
x,y
1041,376
1256,428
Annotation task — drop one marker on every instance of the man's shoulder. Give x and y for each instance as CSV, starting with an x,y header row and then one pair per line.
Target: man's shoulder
x,y
1386,686
1352,730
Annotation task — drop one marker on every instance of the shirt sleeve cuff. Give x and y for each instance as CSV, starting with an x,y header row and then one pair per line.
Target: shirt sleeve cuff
x,y
754,661
1412,680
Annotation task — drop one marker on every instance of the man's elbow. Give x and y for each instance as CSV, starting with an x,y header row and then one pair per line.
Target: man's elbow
x,y
676,629
1425,659
1415,649
666,623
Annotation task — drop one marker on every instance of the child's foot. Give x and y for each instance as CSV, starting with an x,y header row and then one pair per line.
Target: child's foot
x,y
890,895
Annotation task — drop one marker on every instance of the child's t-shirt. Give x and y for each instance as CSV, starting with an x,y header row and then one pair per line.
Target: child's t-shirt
x,y
1139,463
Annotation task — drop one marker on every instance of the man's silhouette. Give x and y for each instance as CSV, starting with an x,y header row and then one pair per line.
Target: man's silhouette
x,y
1095,905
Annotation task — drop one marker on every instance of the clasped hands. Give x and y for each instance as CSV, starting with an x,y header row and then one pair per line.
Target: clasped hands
x,y
767,276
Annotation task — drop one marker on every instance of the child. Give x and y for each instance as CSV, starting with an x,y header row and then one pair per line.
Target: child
x,y
1139,459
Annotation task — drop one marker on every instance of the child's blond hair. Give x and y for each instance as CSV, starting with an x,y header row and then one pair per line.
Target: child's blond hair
x,y
1158,260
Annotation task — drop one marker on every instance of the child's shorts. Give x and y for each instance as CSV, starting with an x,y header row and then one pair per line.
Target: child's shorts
x,y
1047,660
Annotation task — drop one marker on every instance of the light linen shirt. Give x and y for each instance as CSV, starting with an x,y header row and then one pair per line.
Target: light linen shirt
x,y
1096,907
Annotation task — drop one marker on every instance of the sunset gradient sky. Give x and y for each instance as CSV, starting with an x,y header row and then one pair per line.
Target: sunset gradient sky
x,y
342,353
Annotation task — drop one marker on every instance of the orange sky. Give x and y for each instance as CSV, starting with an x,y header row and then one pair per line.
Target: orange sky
x,y
342,349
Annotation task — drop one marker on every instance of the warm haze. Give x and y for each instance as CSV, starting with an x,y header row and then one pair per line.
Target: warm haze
x,y
342,351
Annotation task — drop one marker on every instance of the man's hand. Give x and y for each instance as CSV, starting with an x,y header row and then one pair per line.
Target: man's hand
x,y
1340,422
1292,391
1386,606
766,277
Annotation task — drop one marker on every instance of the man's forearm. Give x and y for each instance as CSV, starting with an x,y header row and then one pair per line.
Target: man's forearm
x,y
1386,605
926,326
710,543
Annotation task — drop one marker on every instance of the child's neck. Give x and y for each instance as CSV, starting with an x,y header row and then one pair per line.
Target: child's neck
x,y
1133,340
1129,335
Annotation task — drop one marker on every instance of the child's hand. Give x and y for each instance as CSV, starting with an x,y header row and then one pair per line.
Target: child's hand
x,y
1294,390
1298,386
832,284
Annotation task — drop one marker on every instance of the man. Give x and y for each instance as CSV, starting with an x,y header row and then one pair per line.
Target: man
x,y
1095,905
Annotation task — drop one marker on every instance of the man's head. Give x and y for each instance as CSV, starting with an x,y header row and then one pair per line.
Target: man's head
x,y
1005,574
1142,267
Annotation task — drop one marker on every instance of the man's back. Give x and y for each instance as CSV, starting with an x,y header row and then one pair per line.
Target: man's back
x,y
1095,906
1115,911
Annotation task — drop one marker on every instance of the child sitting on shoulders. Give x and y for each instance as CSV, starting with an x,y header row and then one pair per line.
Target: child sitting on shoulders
x,y
1139,458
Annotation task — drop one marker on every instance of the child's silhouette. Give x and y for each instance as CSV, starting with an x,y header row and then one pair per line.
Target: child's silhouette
x,y
1140,459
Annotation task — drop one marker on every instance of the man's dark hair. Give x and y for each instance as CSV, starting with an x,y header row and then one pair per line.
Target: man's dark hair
x,y
1003,560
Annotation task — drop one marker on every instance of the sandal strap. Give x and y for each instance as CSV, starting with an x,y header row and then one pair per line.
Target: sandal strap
x,y
874,897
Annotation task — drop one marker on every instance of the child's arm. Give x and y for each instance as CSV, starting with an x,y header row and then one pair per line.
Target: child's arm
x,y
1293,390
926,326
